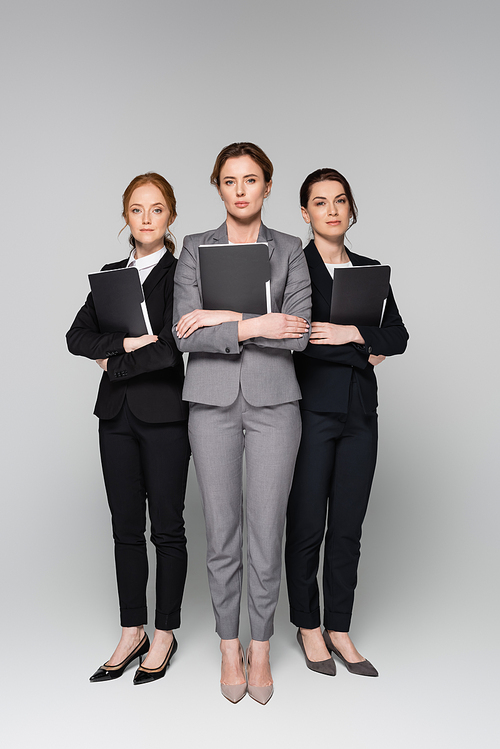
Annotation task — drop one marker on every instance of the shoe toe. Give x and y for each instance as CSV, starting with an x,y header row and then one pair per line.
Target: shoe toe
x,y
261,694
101,675
364,668
142,677
233,692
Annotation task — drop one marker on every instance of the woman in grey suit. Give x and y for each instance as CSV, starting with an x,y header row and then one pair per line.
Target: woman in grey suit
x,y
243,396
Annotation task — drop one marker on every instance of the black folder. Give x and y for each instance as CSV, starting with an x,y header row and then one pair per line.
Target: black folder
x,y
236,277
359,295
119,302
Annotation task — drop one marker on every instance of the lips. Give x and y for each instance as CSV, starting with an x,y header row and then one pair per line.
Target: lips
x,y
241,205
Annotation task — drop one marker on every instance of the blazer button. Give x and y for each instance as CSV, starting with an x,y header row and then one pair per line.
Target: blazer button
x,y
369,349
228,350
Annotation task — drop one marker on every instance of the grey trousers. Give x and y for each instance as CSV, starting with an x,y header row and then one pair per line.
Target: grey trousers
x,y
269,436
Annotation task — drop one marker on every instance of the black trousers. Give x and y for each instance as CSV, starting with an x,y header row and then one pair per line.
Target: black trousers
x,y
331,487
141,463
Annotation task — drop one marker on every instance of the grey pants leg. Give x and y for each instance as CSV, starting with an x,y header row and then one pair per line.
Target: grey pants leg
x,y
270,436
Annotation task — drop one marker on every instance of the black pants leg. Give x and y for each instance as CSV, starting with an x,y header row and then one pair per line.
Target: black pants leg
x,y
333,475
142,463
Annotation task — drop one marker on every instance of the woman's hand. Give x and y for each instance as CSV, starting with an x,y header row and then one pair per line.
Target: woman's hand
x,y
335,335
132,344
103,363
372,359
204,318
275,325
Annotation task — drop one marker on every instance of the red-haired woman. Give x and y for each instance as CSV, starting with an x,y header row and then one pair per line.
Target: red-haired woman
x,y
143,436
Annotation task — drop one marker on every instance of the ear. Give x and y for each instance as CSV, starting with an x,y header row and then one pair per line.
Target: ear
x,y
268,188
305,215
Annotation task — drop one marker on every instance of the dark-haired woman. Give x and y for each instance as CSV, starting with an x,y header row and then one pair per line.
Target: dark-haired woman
x,y
143,436
243,395
337,454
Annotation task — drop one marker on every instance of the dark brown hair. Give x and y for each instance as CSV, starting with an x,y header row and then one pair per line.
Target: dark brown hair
x,y
323,175
166,189
242,149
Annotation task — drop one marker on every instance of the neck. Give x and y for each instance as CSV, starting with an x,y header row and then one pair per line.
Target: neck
x,y
243,232
144,251
331,250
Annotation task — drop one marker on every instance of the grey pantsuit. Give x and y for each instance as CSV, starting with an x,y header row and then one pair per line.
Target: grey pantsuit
x,y
270,436
243,396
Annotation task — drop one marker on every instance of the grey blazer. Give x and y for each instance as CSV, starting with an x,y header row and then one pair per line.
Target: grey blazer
x,y
218,362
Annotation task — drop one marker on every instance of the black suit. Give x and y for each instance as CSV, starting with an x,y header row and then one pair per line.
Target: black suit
x,y
337,456
144,448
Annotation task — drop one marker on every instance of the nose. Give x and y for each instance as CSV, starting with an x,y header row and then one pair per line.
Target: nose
x,y
146,219
240,189
333,210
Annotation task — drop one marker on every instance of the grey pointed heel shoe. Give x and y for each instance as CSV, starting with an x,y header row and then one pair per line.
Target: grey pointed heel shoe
x,y
361,668
326,667
259,694
235,692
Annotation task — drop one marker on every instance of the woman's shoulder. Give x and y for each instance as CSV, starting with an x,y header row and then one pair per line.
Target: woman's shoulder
x,y
204,237
361,259
280,238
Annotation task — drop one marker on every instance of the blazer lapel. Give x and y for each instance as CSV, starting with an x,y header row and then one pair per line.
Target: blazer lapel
x,y
320,277
265,235
220,235
158,272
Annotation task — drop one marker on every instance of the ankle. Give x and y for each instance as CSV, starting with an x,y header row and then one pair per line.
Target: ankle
x,y
229,647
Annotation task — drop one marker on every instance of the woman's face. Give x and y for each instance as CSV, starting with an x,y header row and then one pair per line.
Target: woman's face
x,y
147,217
243,187
328,210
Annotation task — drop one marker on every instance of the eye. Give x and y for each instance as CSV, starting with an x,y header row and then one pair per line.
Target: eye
x,y
251,180
320,202
157,210
341,200
229,182
135,210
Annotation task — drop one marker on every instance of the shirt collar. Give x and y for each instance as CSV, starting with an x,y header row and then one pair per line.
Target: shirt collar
x,y
148,261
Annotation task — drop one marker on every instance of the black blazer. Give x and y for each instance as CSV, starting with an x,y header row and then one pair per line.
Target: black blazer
x,y
324,372
152,377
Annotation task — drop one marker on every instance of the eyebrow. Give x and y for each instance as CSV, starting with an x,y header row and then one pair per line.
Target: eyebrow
x,y
141,206
228,176
340,195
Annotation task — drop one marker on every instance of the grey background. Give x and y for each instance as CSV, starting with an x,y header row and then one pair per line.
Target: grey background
x,y
402,98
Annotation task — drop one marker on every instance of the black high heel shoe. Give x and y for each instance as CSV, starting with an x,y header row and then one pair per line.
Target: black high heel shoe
x,y
145,675
326,667
360,668
107,673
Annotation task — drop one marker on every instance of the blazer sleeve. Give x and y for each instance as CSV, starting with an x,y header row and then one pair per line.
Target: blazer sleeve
x,y
85,339
215,339
391,338
347,354
296,301
160,355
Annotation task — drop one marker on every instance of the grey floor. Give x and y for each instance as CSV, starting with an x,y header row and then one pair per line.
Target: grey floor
x,y
434,689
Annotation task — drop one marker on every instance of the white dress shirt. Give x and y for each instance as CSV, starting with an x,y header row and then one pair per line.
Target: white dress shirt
x,y
145,264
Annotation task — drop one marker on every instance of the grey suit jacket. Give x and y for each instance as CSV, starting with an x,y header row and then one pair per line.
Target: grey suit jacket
x,y
218,362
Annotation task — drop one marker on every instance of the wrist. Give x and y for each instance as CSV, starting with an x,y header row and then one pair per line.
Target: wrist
x,y
356,335
248,328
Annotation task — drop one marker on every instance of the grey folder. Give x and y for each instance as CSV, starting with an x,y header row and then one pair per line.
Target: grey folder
x,y
359,295
235,277
119,302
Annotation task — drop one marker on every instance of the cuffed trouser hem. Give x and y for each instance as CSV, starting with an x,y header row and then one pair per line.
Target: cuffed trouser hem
x,y
305,619
133,617
337,622
168,621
